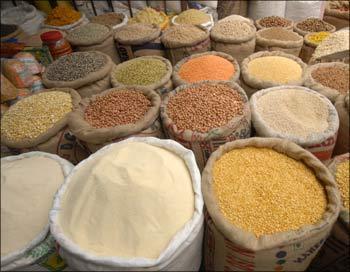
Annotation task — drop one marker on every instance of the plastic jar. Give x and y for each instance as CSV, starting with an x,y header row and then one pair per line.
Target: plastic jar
x,y
58,46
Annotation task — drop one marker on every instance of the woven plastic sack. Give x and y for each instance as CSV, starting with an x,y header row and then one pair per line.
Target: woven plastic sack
x,y
179,81
311,83
87,86
183,252
8,91
289,47
320,144
260,9
238,48
301,10
30,62
289,26
17,73
303,32
44,242
95,138
228,247
203,144
162,87
251,84
343,140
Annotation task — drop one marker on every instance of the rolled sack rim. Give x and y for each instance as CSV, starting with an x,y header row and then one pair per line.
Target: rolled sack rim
x,y
219,38
260,40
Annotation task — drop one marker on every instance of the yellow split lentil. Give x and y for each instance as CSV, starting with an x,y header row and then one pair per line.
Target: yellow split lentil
x,y
275,68
317,37
264,192
342,178
34,115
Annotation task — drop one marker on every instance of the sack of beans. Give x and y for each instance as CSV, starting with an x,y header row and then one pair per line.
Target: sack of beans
x,y
279,39
137,40
343,140
270,206
311,41
29,183
268,69
86,72
312,25
206,66
181,41
274,21
94,37
330,79
204,115
7,89
194,17
152,72
112,19
334,255
233,37
143,195
114,115
337,13
39,123
297,114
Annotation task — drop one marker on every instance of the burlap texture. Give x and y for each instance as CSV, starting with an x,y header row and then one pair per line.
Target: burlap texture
x,y
303,33
95,87
308,48
289,47
319,144
343,140
87,133
203,144
177,80
311,83
288,27
128,41
228,247
76,84
255,84
161,87
329,11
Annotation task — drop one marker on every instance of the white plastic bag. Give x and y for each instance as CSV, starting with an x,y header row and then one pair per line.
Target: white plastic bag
x,y
260,9
301,10
183,252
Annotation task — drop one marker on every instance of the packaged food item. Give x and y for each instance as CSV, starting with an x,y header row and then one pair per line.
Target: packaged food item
x,y
29,61
57,45
37,84
8,90
9,49
17,72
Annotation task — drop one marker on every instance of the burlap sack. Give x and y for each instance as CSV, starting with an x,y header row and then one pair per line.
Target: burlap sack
x,y
146,46
177,80
104,44
229,248
7,90
308,48
334,255
289,47
93,83
343,140
203,144
288,27
176,51
251,84
334,16
311,83
319,144
239,48
95,138
56,140
162,87
303,33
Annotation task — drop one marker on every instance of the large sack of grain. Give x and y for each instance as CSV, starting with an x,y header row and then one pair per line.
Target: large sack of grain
x,y
206,66
154,187
297,114
337,13
114,115
274,21
39,123
202,116
251,195
343,140
112,19
29,183
260,9
86,72
312,24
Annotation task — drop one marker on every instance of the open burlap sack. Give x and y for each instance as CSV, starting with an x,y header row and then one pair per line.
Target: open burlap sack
x,y
93,83
56,140
149,45
238,48
203,144
228,247
303,32
311,83
343,140
95,138
163,86
251,84
176,51
308,48
288,27
335,16
287,46
177,80
319,144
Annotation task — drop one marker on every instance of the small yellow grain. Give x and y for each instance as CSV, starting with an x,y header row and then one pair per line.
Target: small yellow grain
x,y
342,178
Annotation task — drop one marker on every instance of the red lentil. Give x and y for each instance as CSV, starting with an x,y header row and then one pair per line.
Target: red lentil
x,y
333,77
205,106
117,108
208,67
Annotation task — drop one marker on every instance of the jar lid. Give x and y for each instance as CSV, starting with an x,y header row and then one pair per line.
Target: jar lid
x,y
51,36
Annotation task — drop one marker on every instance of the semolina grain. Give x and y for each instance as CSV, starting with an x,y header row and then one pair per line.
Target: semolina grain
x,y
342,178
